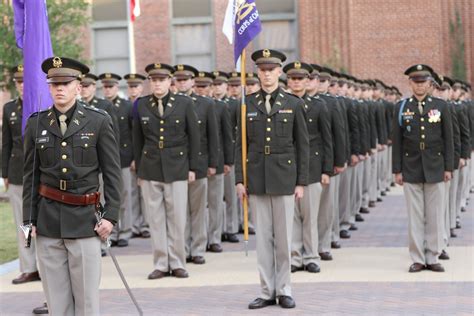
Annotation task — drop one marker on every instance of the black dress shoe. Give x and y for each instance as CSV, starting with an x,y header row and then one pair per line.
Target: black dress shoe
x,y
286,302
241,229
157,274
180,273
43,309
364,210
146,234
312,268
261,303
458,223
453,234
27,277
199,260
444,255
113,243
232,238
122,243
463,209
103,253
383,193
189,259
371,203
416,267
387,189
223,237
335,245
344,234
136,235
295,268
251,231
353,227
215,248
359,218
392,184
379,200
437,267
326,256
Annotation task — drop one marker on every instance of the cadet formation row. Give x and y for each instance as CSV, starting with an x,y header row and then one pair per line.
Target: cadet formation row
x,y
319,156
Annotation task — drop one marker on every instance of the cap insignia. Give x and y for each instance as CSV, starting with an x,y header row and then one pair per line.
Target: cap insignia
x,y
57,62
419,67
266,53
20,68
297,65
180,67
157,66
108,76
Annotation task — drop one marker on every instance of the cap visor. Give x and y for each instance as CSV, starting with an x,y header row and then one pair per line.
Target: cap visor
x,y
61,79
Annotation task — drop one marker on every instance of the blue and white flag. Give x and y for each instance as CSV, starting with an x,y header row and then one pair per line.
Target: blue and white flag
x,y
241,25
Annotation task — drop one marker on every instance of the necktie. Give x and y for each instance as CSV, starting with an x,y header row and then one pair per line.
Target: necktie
x,y
420,107
268,106
62,123
161,110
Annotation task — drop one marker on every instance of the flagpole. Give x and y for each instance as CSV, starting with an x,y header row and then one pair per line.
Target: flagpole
x,y
243,122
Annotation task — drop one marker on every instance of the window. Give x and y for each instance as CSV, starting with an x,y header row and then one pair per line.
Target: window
x,y
279,27
193,39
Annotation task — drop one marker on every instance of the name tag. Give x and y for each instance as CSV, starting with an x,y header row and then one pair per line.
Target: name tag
x,y
145,118
42,140
252,114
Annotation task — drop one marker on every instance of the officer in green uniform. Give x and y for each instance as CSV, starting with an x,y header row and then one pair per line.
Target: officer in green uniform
x,y
304,248
139,225
123,108
166,148
12,174
422,161
278,165
196,225
66,147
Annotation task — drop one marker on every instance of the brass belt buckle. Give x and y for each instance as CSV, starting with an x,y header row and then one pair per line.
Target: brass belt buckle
x,y
62,185
267,150
422,146
160,144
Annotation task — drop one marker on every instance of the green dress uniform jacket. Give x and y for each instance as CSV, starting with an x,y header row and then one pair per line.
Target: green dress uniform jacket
x,y
12,142
320,138
124,116
88,147
423,147
208,152
337,130
166,147
470,111
278,145
464,129
353,127
226,137
364,128
374,134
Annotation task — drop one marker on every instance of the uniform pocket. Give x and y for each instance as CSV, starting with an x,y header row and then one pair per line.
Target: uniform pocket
x,y
46,151
252,125
284,125
84,151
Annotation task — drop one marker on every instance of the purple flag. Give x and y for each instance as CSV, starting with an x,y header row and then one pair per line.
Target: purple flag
x,y
247,25
32,36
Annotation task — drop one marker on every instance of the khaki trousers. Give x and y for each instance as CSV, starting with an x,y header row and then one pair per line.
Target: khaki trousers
x,y
123,229
165,211
304,246
425,205
70,273
196,230
366,165
274,215
373,177
359,177
460,200
453,200
336,181
463,189
326,216
139,225
345,206
231,220
445,217
27,256
215,202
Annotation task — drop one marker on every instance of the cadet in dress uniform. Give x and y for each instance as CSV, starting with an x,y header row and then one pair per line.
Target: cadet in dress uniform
x,y
230,224
66,147
422,161
139,225
278,165
234,88
166,149
304,248
196,224
123,231
12,174
252,83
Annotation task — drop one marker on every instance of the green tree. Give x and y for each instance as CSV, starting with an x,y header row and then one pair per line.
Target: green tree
x,y
67,20
457,47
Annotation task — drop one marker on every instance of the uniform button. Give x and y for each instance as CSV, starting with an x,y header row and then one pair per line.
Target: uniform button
x,y
269,129
251,119
422,128
289,161
423,136
86,145
122,118
316,153
124,145
200,153
422,119
181,153
162,122
199,122
177,121
268,139
162,129
310,120
13,155
269,119
64,170
285,120
42,146
162,137
64,157
406,154
144,152
64,144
